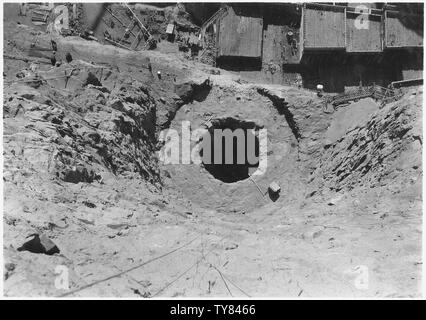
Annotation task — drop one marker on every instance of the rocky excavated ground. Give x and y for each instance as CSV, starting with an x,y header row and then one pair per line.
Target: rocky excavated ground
x,y
84,187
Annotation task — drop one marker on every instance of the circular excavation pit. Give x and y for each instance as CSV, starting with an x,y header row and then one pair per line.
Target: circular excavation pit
x,y
255,146
231,152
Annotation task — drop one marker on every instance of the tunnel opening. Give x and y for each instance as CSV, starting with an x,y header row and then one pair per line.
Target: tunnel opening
x,y
231,153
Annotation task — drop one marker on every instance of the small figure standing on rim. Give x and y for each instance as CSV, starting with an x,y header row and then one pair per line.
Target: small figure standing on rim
x,y
320,90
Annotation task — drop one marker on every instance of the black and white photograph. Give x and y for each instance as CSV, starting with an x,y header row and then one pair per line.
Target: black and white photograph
x,y
212,150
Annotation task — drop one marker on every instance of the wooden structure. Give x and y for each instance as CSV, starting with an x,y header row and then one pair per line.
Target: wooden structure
x,y
330,27
41,15
323,29
363,40
399,36
385,95
124,29
212,21
240,36
340,46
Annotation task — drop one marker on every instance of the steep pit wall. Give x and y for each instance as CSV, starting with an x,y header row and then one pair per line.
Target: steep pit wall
x,y
139,104
104,108
308,151
290,136
90,135
383,149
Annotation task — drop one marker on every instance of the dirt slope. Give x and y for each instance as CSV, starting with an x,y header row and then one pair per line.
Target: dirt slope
x,y
81,168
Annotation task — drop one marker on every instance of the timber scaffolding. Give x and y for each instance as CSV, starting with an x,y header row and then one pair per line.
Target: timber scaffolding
x,y
209,52
141,33
384,95
41,15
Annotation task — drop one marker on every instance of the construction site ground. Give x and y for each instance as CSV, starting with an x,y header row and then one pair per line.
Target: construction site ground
x,y
80,167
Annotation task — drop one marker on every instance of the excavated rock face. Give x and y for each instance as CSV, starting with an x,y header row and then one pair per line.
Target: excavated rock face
x,y
229,187
81,137
80,167
86,121
302,111
307,150
376,152
184,91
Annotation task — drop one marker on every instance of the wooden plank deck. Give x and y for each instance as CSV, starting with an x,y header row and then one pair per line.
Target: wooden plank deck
x,y
240,36
363,40
397,35
323,29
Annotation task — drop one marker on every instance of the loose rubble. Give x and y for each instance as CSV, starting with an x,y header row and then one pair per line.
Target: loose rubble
x,y
82,175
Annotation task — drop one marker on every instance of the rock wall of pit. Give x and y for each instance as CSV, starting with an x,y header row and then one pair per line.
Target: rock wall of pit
x,y
292,125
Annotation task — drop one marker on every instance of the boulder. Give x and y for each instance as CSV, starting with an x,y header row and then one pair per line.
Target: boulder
x,y
40,243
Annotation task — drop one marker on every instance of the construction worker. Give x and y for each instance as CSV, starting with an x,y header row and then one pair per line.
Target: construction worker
x,y
320,90
68,57
54,45
53,58
127,33
107,35
290,37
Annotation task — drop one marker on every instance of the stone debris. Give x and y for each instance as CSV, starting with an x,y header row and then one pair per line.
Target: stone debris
x,y
274,187
83,142
39,244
